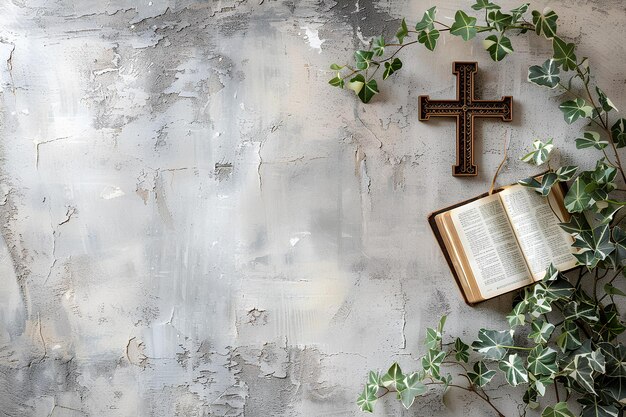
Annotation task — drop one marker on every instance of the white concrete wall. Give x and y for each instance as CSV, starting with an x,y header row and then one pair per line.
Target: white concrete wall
x,y
195,224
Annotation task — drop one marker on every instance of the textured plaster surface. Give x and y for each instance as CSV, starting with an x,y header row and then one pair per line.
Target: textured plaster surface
x,y
194,223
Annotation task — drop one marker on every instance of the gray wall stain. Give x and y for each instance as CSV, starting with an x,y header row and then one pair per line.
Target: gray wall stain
x,y
195,224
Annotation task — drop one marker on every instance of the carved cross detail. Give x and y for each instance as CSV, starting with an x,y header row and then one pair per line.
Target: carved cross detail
x,y
465,108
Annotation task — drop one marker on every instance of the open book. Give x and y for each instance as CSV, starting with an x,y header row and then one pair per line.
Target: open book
x,y
504,241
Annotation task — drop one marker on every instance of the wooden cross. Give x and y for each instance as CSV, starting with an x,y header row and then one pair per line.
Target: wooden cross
x,y
465,108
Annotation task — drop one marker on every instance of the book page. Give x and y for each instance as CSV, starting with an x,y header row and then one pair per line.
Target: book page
x,y
536,227
490,246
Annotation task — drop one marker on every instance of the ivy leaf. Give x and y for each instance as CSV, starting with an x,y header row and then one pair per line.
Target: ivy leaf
x,y
581,371
517,317
576,199
612,290
564,54
610,324
547,181
545,23
336,67
566,173
484,4
431,362
367,399
592,408
569,339
368,91
356,84
391,67
499,20
498,48
463,26
605,102
575,109
429,38
379,46
493,344
546,75
413,387
539,383
402,32
540,153
394,378
481,375
363,59
519,11
615,359
514,370
618,132
619,237
373,379
433,336
461,351
541,331
576,225
542,361
558,410
589,139
427,22
336,82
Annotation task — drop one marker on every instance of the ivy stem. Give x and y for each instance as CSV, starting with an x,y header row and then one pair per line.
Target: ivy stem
x,y
471,388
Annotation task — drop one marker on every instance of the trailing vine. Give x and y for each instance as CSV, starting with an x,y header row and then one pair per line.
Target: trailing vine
x,y
574,326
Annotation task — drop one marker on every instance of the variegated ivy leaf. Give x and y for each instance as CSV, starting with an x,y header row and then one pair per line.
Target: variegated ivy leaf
x,y
559,289
541,331
564,55
461,351
499,20
519,11
552,273
498,48
540,153
610,324
569,339
615,359
542,361
575,109
589,139
484,4
530,397
413,386
427,22
530,182
514,370
402,32
517,317
618,133
539,305
545,23
576,199
431,362
547,181
566,173
356,83
336,81
368,90
606,210
493,344
546,75
577,224
581,371
367,399
619,237
394,378
429,38
605,102
539,383
481,374
613,389
463,26
391,67
378,46
558,410
612,290
363,59
373,379
593,408
433,336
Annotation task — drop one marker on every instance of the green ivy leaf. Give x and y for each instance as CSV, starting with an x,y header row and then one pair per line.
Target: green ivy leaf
x,y
413,387
610,324
615,359
566,173
576,199
367,399
378,46
336,67
363,59
373,379
575,109
433,336
569,339
368,91
402,32
391,67
429,38
539,383
591,139
461,351
541,331
493,344
517,317
481,375
530,182
484,4
427,22
618,133
576,225
564,55
612,290
546,75
558,410
581,371
336,82
593,408
542,361
605,102
394,378
545,23
498,48
499,20
547,181
463,26
356,83
431,362
514,370
519,11
540,153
